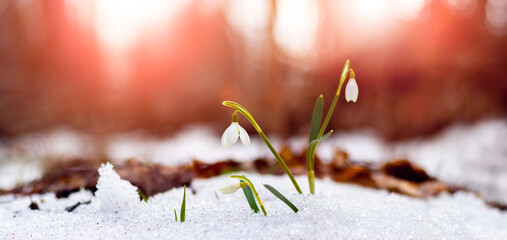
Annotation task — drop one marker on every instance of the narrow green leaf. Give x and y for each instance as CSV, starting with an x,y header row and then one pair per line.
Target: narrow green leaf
x,y
312,146
175,215
182,211
141,194
247,181
314,142
316,118
281,197
250,198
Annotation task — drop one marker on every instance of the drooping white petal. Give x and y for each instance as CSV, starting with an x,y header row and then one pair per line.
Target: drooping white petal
x,y
231,188
352,90
243,135
230,135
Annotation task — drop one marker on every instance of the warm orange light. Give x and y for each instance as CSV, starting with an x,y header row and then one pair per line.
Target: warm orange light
x,y
369,12
120,23
295,28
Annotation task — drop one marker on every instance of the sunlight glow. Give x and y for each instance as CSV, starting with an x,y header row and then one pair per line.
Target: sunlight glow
x,y
296,26
496,17
408,9
375,20
249,17
120,23
364,19
370,11
462,7
378,12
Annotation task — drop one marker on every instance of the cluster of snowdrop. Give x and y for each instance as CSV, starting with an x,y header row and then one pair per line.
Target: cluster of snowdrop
x,y
235,131
317,128
230,137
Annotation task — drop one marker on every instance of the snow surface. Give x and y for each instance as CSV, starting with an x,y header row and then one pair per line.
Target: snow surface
x,y
196,142
337,211
19,171
473,155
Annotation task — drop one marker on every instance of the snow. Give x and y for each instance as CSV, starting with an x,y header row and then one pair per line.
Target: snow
x,y
473,155
62,142
18,171
336,211
195,142
114,194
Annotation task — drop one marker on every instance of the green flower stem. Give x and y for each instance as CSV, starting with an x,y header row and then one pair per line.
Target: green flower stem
x,y
311,181
311,155
281,162
345,72
249,117
247,181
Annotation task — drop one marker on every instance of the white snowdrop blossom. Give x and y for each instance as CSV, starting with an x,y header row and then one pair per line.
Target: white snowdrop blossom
x,y
231,134
352,90
231,188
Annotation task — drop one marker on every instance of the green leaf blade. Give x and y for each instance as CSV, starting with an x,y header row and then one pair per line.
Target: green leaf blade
x,y
313,146
183,204
316,118
281,197
142,195
316,141
250,198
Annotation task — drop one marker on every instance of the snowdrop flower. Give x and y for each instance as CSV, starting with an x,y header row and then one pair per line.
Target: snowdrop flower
x,y
231,188
352,90
234,131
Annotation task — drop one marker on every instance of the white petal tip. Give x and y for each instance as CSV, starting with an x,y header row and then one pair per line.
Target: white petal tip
x,y
351,91
245,140
243,135
230,135
231,188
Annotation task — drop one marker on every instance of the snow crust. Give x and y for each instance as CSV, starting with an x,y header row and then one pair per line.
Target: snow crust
x,y
115,194
195,142
19,171
473,155
337,211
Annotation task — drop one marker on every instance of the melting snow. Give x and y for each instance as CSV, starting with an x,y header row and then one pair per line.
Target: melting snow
x,y
472,155
114,194
337,211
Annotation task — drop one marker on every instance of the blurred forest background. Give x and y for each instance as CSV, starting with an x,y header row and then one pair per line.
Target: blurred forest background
x,y
110,66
